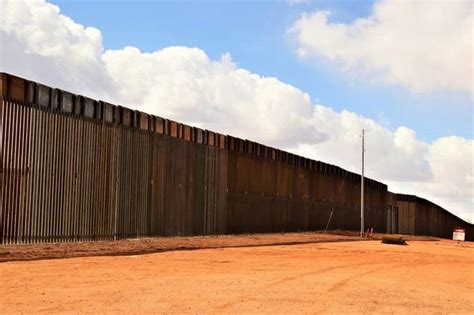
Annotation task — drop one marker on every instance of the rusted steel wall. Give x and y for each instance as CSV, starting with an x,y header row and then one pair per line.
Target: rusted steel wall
x,y
66,179
392,213
422,217
285,194
406,217
74,169
78,169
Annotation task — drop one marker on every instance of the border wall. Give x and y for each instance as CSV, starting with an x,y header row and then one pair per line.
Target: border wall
x,y
418,216
75,169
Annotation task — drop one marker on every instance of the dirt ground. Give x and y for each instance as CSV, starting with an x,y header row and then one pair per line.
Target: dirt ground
x,y
336,277
163,244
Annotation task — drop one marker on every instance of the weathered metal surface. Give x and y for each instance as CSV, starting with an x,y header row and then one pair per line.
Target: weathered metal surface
x,y
75,169
392,213
422,217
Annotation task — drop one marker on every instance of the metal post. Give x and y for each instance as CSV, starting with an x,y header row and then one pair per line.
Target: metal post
x,y
362,189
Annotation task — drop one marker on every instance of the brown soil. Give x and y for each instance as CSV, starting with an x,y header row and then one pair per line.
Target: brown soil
x,y
358,276
163,244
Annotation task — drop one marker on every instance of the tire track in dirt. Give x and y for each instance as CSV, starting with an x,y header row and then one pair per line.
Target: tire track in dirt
x,y
224,307
338,286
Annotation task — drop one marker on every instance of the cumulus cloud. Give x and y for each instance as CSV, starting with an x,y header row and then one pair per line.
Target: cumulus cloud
x,y
421,45
36,40
452,185
184,84
398,155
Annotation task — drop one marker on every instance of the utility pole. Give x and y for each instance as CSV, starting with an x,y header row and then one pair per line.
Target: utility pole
x,y
362,188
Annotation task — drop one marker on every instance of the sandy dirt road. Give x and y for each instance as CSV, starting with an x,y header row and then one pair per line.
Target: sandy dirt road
x,y
366,276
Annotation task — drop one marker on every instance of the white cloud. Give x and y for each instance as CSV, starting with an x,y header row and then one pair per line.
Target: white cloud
x,y
182,83
36,39
395,155
421,45
452,185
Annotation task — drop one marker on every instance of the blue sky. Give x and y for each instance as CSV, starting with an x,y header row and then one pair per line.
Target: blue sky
x,y
256,36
